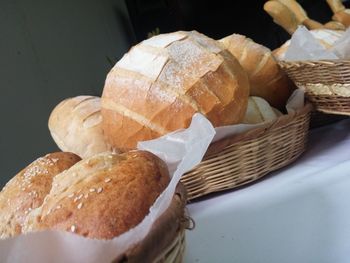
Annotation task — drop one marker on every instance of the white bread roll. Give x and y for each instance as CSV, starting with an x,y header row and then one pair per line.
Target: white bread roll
x,y
75,126
161,82
259,110
27,190
267,79
326,38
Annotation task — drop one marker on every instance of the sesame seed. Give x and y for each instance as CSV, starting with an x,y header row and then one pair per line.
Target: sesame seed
x,y
71,195
107,180
80,205
58,207
80,196
99,190
86,196
72,228
92,190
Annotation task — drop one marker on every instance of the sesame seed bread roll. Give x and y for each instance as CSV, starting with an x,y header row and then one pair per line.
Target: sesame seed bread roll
x,y
163,81
103,196
75,126
267,79
27,190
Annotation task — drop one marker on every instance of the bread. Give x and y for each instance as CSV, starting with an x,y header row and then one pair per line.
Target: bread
x,y
267,79
160,83
27,190
334,25
341,14
259,110
343,17
282,15
75,126
326,38
102,196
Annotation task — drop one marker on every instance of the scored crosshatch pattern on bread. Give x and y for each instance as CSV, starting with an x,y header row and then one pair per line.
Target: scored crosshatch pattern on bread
x,y
161,82
102,196
75,125
27,190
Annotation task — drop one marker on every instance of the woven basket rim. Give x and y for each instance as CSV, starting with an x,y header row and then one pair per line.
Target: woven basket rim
x,y
170,225
218,146
324,62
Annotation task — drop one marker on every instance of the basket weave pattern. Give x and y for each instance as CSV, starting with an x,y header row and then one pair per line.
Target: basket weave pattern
x,y
175,252
244,158
325,72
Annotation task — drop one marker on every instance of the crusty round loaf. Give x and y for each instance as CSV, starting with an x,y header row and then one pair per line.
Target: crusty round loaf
x,y
267,79
75,126
27,190
161,82
326,38
102,196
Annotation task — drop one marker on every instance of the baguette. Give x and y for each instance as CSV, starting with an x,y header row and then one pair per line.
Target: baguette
x,y
26,191
267,79
162,82
75,126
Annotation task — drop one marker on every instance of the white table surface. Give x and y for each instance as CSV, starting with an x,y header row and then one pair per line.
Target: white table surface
x,y
300,213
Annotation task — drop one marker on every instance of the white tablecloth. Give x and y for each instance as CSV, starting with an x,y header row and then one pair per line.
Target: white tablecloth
x,y
300,213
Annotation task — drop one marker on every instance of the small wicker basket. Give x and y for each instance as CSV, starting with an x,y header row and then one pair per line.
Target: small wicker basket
x,y
326,83
244,158
166,240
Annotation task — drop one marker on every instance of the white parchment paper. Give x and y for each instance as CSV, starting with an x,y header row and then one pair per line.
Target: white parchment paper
x,y
303,46
181,150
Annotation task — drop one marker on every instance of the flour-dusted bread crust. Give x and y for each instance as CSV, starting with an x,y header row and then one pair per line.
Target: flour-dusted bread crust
x,y
102,196
161,82
75,125
267,79
27,190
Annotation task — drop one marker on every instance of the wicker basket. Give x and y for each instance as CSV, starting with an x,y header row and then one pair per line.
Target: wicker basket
x,y
326,83
166,240
246,157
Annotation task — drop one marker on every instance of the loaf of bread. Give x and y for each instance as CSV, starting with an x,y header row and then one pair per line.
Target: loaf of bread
x,y
102,196
259,110
282,15
267,79
326,38
341,14
75,125
27,190
160,83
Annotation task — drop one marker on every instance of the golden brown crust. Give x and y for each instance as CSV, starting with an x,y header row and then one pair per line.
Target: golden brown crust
x,y
75,126
103,196
343,17
27,190
267,79
160,83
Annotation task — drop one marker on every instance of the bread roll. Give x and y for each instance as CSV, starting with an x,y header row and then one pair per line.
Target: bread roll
x,y
341,14
75,126
282,15
102,196
259,110
267,79
27,190
161,82
343,17
326,38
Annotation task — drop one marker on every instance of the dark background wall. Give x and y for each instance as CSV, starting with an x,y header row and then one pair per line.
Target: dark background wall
x,y
51,50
